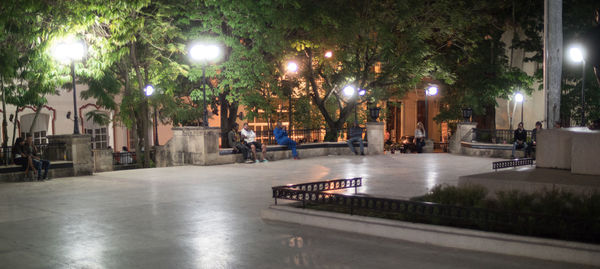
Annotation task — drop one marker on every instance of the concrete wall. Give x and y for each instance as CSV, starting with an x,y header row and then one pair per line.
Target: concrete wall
x,y
78,150
103,160
574,149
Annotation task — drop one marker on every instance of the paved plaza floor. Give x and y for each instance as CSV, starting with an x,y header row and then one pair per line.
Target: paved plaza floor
x,y
209,217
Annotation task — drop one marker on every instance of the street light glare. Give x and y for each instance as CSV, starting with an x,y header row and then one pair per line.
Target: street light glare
x,y
519,97
205,52
292,67
328,54
576,54
432,90
149,90
349,90
362,92
67,51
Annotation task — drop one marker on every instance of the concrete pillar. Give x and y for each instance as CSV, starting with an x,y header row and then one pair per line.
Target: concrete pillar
x,y
195,145
462,133
103,160
553,52
375,134
78,149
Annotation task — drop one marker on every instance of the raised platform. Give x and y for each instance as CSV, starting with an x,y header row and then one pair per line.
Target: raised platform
x,y
13,173
531,179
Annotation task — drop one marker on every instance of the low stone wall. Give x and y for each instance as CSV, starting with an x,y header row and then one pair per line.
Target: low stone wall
x,y
103,160
78,149
489,150
574,149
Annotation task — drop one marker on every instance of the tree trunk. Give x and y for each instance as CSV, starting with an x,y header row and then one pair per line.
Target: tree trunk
x,y
37,113
228,117
15,125
4,121
143,134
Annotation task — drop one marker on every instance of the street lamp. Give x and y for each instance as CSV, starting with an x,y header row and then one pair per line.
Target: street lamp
x,y
349,91
149,90
328,54
69,51
430,91
576,54
291,68
519,98
204,54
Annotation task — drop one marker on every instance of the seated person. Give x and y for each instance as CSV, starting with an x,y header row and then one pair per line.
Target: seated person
x,y
249,136
20,157
530,145
355,135
282,139
38,162
520,137
233,138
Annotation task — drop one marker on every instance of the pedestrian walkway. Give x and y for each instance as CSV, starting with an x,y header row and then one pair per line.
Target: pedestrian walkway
x,y
209,217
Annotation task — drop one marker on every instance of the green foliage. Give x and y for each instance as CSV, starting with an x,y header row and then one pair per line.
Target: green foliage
x,y
469,196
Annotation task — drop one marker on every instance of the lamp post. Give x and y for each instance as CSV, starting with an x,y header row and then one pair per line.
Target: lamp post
x,y
576,54
519,98
204,54
291,68
430,91
149,90
69,51
349,91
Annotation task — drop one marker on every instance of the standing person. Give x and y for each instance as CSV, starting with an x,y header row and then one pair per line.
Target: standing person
x,y
282,139
534,132
520,138
249,136
38,162
355,135
20,157
419,137
233,138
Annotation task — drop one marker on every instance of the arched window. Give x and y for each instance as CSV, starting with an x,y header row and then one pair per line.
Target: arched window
x,y
98,132
40,128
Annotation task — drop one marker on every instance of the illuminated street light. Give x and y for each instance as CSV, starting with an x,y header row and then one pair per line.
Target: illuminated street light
x,y
328,54
204,54
292,67
68,51
430,91
577,55
362,92
519,99
149,90
349,90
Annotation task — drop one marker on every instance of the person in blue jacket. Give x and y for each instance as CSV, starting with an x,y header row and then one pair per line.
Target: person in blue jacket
x,y
282,139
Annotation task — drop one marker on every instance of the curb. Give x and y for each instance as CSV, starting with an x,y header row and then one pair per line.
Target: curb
x,y
531,247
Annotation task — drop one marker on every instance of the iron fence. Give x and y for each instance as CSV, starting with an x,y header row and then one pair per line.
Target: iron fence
x,y
512,163
531,224
496,136
50,151
124,158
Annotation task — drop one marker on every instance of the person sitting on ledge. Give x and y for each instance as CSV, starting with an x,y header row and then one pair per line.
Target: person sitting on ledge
x,y
249,136
530,145
20,157
233,138
520,137
282,138
38,162
355,135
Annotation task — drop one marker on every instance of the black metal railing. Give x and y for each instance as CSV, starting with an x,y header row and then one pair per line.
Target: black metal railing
x,y
299,135
512,163
531,224
496,136
124,158
319,186
51,151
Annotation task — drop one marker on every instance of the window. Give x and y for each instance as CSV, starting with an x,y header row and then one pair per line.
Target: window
x,y
40,128
99,134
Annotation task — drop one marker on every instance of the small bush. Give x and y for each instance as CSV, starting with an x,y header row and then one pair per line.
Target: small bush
x,y
470,196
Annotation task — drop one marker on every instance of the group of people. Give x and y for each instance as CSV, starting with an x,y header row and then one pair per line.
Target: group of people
x,y
25,153
244,141
520,139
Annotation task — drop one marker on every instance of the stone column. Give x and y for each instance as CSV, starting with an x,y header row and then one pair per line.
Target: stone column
x,y
78,149
375,134
462,133
194,145
103,160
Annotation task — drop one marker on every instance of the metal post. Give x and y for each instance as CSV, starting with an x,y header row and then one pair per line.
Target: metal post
x,y
155,127
583,96
522,108
75,118
426,117
205,116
